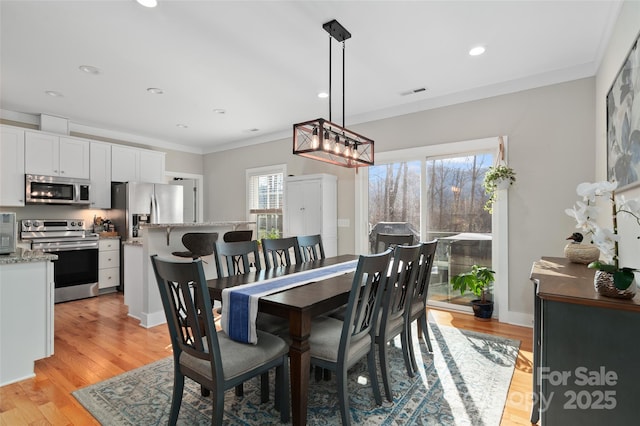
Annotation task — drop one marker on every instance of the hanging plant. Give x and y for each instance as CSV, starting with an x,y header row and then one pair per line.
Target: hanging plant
x,y
499,176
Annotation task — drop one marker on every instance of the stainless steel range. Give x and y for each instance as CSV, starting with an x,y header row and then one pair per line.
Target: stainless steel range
x,y
76,270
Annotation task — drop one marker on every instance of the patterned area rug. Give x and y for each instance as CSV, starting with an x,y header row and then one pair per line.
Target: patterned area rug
x,y
464,382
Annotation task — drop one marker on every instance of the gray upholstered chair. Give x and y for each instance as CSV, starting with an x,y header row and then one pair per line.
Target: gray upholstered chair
x,y
391,319
418,302
385,241
337,345
277,252
198,244
206,356
234,258
311,247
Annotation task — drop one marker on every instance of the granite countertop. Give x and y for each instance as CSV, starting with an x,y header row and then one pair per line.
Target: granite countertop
x,y
197,224
26,256
134,242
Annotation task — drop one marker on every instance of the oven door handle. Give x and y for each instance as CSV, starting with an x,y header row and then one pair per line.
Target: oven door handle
x,y
53,247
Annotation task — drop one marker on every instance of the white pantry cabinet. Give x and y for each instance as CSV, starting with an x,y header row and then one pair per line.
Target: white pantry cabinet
x,y
109,263
311,208
52,155
129,164
11,166
100,161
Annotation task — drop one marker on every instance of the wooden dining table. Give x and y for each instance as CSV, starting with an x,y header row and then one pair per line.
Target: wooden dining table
x,y
299,305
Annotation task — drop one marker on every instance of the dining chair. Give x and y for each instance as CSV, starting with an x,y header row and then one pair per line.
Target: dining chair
x,y
277,252
311,247
232,258
338,345
385,241
418,302
239,235
198,244
205,355
391,316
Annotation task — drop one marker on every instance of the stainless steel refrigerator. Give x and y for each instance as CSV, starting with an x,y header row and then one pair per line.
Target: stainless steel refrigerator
x,y
134,204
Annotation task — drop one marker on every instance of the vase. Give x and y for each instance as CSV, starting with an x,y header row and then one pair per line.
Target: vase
x,y
581,253
604,285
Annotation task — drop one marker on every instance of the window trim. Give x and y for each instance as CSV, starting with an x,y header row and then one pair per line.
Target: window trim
x,y
260,171
499,219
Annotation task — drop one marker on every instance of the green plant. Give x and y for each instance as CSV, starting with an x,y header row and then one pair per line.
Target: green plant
x,y
492,178
478,280
271,234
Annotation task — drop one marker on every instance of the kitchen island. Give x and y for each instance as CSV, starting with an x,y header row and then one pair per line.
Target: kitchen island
x,y
140,288
26,313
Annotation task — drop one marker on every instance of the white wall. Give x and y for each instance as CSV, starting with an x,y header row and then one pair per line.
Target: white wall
x,y
626,30
551,136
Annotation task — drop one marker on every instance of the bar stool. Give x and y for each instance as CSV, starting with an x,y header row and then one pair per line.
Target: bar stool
x,y
198,244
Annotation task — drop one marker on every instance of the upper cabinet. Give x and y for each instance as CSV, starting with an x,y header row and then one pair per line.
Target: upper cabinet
x,y
51,155
11,166
100,159
130,164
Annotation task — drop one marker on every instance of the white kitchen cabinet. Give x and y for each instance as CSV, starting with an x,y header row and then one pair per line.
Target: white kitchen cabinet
x,y
129,164
11,166
311,208
26,318
109,263
100,173
52,155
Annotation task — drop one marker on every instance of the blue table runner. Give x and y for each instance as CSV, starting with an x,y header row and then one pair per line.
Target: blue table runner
x,y
240,304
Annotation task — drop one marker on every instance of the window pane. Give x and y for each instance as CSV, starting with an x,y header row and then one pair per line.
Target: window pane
x,y
265,204
455,215
394,199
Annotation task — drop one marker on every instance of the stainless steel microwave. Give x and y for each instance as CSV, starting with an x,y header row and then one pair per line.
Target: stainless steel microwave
x,y
56,190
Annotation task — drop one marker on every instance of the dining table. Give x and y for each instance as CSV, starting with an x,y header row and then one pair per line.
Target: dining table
x,y
299,305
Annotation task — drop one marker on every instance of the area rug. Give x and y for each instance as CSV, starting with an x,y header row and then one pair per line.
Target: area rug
x,y
463,382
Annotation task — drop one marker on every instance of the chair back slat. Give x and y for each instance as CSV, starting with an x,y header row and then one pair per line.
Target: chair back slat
x,y
402,280
427,255
277,251
369,281
238,257
311,247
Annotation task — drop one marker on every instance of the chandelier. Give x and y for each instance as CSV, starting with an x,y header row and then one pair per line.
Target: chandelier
x,y
326,141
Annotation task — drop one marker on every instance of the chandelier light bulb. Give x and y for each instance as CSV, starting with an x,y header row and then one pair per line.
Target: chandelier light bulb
x,y
315,141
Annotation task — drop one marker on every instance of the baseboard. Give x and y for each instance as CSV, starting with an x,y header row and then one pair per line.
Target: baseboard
x,y
517,318
152,319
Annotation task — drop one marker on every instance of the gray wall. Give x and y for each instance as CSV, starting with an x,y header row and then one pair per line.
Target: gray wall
x,y
551,138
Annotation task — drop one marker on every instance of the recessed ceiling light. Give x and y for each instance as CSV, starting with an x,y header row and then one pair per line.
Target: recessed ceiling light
x,y
54,94
476,51
323,95
182,126
148,3
89,69
220,111
155,91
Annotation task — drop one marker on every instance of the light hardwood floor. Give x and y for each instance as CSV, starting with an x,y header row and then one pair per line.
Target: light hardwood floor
x,y
96,340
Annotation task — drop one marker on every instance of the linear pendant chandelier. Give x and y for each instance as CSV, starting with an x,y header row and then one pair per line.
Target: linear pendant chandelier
x,y
326,141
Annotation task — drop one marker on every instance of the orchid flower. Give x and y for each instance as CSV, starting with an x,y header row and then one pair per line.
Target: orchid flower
x,y
589,191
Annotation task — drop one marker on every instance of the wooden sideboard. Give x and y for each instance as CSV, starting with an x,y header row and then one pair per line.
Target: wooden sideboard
x,y
586,349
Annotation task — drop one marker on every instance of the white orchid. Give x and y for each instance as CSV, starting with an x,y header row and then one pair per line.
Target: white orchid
x,y
605,239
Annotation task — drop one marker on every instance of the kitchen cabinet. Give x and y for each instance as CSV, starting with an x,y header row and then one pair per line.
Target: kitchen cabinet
x,y
109,264
52,155
585,353
26,316
11,166
100,173
311,208
129,164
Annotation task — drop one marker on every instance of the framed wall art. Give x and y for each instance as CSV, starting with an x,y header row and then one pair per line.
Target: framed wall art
x,y
623,122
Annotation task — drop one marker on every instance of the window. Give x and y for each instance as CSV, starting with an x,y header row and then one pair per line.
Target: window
x,y
265,191
436,192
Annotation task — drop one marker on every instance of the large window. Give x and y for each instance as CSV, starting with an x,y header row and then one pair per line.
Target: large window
x,y
265,190
436,193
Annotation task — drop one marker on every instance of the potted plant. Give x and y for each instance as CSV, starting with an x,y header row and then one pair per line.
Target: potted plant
x,y
497,177
478,281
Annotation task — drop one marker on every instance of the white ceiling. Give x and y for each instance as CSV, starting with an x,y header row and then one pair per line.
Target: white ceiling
x,y
265,61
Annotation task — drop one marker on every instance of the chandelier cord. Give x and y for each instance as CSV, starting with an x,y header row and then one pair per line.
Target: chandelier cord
x,y
330,77
343,85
